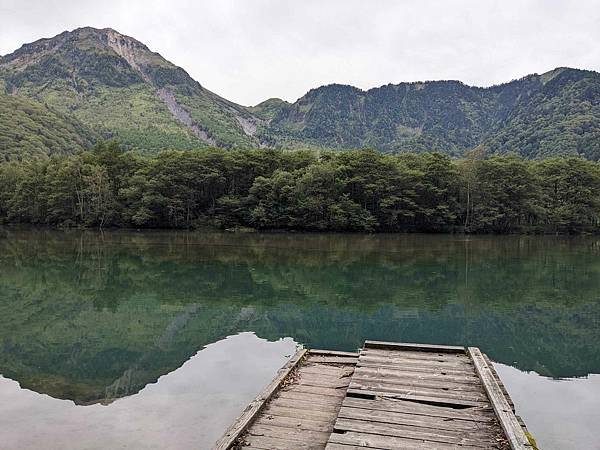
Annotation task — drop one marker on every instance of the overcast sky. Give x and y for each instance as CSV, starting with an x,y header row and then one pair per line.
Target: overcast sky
x,y
250,50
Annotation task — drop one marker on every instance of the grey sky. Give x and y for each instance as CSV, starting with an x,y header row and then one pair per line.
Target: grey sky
x,y
250,50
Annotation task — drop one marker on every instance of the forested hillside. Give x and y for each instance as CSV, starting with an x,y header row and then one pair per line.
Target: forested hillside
x,y
32,129
557,113
100,83
119,88
270,189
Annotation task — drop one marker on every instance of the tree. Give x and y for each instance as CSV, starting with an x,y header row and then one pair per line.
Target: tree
x,y
468,169
504,195
570,193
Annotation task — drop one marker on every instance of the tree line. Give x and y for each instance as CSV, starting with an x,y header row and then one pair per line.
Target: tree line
x,y
266,189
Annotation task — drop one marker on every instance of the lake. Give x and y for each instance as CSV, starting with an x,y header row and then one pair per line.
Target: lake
x,y
158,339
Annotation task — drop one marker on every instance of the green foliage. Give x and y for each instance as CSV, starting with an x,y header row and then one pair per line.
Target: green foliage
x,y
32,129
559,116
503,195
268,109
557,113
112,84
569,189
273,189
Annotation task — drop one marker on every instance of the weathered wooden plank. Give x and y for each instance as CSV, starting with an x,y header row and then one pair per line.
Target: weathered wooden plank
x,y
338,383
333,353
242,422
323,391
460,437
429,399
391,374
333,360
414,370
456,364
329,378
417,347
304,404
294,423
338,371
308,397
430,380
417,389
270,443
500,383
332,446
326,377
376,441
410,419
513,431
414,367
432,383
299,413
259,429
419,409
340,374
411,354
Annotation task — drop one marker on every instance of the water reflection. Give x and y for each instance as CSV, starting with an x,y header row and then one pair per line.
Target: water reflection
x,y
93,318
562,414
188,408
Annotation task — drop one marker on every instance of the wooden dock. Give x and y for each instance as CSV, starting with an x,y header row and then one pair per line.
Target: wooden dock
x,y
388,396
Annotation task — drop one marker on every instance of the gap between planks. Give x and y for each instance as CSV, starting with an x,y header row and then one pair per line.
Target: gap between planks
x,y
409,346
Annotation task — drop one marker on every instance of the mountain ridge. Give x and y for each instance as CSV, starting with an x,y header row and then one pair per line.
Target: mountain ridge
x,y
103,65
116,87
452,117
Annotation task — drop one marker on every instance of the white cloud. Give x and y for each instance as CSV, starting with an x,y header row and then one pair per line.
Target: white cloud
x,y
250,50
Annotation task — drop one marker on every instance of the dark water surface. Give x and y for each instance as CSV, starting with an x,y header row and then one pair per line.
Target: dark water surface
x,y
159,339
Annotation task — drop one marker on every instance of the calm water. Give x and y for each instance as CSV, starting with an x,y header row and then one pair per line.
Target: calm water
x,y
159,339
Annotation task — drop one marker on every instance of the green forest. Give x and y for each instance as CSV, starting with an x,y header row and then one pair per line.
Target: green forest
x,y
267,189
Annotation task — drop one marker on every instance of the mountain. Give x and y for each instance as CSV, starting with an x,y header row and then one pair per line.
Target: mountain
x,y
557,113
91,84
539,115
116,86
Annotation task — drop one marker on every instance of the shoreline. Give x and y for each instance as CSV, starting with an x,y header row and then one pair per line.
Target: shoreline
x,y
282,231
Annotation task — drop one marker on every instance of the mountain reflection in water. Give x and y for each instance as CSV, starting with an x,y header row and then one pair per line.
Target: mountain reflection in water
x,y
185,409
94,317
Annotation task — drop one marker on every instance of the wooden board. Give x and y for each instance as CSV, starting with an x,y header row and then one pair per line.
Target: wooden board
x,y
415,367
406,390
410,418
426,376
416,396
512,429
388,396
420,409
324,359
421,356
300,414
333,353
478,438
377,441
499,381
